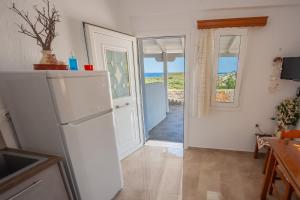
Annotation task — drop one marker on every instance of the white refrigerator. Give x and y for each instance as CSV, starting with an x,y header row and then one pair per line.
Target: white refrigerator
x,y
68,114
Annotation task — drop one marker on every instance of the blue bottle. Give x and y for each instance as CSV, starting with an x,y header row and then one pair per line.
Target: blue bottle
x,y
73,62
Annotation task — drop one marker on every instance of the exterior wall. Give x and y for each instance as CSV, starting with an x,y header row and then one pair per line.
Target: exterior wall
x,y
155,108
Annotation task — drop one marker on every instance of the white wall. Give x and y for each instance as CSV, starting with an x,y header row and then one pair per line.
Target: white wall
x,y
227,129
18,52
155,108
6,131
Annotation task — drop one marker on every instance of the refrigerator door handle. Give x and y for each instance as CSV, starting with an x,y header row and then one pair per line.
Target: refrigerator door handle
x,y
126,104
76,122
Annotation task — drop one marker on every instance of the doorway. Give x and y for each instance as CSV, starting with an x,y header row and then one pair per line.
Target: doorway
x,y
162,62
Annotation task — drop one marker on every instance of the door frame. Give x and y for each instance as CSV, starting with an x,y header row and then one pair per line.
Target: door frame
x,y
87,27
188,94
186,37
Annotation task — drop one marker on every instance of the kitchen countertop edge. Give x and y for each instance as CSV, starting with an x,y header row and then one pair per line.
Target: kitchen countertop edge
x,y
14,181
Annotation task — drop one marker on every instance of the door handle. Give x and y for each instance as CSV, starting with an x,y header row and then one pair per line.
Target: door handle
x,y
126,104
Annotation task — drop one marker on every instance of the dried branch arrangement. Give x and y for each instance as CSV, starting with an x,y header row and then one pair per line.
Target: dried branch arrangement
x,y
42,28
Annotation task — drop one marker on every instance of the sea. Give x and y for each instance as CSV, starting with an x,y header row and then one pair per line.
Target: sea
x,y
153,75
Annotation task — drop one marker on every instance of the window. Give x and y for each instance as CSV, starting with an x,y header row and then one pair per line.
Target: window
x,y
230,46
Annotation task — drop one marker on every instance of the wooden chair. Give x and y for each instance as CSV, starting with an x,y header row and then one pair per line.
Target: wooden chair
x,y
279,171
292,134
260,135
266,147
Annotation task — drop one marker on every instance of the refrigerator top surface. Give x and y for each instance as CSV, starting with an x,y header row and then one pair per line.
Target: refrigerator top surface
x,y
51,73
70,74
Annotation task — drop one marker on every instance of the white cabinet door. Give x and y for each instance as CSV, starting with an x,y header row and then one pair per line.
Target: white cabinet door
x,y
116,53
92,150
46,185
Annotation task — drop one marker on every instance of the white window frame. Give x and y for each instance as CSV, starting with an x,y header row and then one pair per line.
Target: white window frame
x,y
243,45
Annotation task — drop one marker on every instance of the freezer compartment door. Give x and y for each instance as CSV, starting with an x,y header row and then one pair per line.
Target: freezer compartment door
x,y
78,95
94,158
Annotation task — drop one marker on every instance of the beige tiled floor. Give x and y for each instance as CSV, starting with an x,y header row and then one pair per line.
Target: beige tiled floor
x,y
224,175
161,173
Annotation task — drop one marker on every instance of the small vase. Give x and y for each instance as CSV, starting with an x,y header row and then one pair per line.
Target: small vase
x,y
48,58
49,62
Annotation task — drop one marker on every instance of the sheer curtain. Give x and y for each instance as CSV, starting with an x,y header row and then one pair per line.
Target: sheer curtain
x,y
204,66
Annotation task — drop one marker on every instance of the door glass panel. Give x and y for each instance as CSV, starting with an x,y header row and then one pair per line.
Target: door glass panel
x,y
227,68
117,65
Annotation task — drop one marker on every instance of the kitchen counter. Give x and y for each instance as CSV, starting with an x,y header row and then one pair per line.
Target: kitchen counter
x,y
30,172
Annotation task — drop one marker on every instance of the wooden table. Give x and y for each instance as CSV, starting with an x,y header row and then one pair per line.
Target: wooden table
x,y
287,155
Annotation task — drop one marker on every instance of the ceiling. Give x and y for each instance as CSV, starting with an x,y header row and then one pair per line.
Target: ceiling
x,y
165,7
229,45
167,45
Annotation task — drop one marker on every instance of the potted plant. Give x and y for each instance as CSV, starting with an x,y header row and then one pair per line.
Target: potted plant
x,y
287,114
42,29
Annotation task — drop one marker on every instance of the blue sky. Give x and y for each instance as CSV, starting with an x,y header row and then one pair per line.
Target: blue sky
x,y
152,66
226,65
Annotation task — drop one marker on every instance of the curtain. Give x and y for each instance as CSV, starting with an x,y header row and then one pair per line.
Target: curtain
x,y
204,66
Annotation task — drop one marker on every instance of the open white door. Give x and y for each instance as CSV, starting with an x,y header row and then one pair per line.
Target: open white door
x,y
117,53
